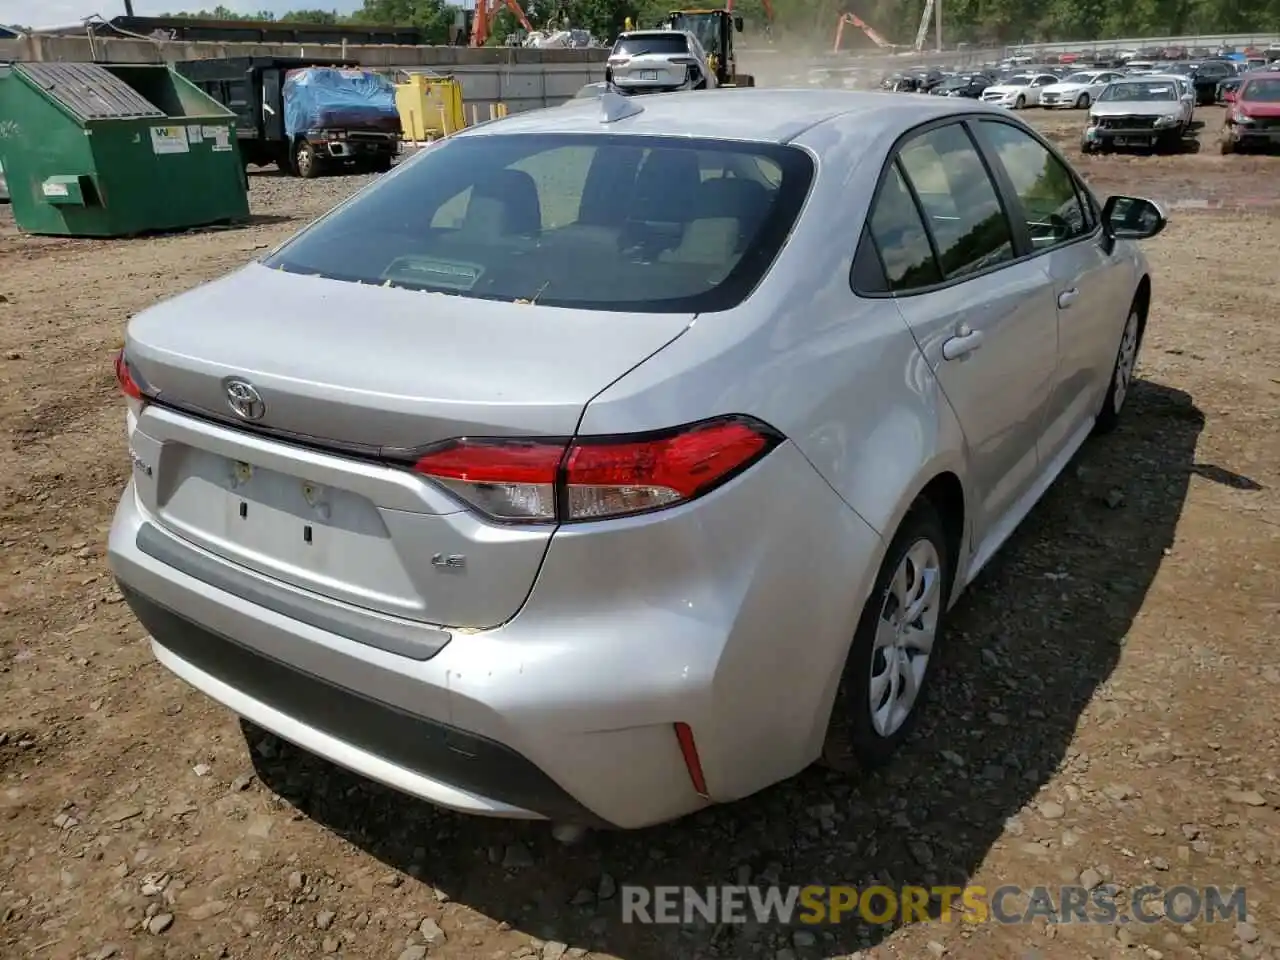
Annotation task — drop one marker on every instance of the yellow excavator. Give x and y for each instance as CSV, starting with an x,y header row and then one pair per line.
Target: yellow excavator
x,y
714,30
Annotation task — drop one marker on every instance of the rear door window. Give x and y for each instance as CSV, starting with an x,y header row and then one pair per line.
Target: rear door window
x,y
901,238
961,206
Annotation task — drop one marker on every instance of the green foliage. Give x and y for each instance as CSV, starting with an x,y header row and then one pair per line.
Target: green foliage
x,y
310,16
968,21
433,16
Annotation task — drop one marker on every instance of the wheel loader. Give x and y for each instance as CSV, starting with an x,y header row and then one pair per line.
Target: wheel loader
x,y
714,30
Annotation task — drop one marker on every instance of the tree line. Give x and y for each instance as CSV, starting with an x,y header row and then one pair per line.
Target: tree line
x,y
976,22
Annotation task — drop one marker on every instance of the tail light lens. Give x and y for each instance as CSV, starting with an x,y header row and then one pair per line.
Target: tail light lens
x,y
135,390
595,478
124,376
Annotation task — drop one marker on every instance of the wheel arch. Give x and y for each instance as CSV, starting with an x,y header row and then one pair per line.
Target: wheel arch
x,y
943,489
1142,303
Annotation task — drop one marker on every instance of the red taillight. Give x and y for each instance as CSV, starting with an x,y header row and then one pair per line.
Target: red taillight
x,y
124,376
692,763
593,478
505,479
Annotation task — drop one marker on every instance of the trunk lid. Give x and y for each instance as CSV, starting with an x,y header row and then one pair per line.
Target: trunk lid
x,y
653,68
346,373
375,367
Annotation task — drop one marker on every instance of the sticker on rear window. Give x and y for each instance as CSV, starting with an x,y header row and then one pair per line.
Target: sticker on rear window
x,y
420,272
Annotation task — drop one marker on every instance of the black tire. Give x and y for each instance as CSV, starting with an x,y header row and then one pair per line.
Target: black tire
x,y
1020,102
1113,404
306,162
1083,101
379,164
1225,144
852,741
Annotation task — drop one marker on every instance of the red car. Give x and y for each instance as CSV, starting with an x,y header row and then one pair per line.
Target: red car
x,y
1253,113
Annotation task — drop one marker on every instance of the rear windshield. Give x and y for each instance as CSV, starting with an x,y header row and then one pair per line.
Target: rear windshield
x,y
665,43
1262,91
594,221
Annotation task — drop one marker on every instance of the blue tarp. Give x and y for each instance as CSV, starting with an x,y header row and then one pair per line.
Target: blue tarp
x,y
326,98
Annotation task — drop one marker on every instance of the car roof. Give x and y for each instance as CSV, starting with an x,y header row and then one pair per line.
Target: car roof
x,y
1262,75
765,115
628,34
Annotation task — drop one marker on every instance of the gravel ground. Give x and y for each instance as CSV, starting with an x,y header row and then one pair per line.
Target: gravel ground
x,y
1106,711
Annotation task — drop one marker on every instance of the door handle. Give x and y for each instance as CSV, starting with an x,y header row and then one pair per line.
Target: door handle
x,y
1067,297
962,344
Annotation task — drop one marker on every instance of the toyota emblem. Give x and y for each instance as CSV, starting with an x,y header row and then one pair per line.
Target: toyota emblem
x,y
244,399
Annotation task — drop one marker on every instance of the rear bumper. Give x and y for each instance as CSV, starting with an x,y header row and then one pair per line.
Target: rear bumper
x,y
566,712
411,753
358,149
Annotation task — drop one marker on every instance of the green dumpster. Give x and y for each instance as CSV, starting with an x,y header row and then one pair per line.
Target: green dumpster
x,y
112,150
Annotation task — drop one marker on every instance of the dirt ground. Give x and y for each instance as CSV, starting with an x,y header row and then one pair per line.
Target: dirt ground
x,y
1106,711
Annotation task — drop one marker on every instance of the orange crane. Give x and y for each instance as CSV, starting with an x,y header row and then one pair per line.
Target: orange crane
x,y
482,20
856,21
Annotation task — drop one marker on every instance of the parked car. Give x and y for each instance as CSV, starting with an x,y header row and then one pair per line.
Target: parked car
x,y
1077,90
1207,76
1140,112
4,187
658,61
1020,90
524,540
900,83
927,78
971,86
1227,89
1253,117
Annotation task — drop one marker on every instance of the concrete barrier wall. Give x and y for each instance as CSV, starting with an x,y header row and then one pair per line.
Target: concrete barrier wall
x,y
523,79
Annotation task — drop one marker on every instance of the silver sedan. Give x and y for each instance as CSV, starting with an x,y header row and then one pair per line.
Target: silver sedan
x,y
603,463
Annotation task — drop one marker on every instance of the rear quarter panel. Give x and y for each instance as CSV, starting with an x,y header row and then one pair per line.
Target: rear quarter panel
x,y
844,380
840,376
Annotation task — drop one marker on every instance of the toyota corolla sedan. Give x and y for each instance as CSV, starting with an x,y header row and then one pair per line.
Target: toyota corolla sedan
x,y
603,463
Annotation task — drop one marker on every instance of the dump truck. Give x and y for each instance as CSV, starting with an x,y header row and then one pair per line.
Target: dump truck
x,y
307,116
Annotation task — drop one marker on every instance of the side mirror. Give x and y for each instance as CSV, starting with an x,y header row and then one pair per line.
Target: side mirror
x,y
737,24
1132,218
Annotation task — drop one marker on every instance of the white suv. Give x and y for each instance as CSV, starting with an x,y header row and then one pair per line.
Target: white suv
x,y
658,61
